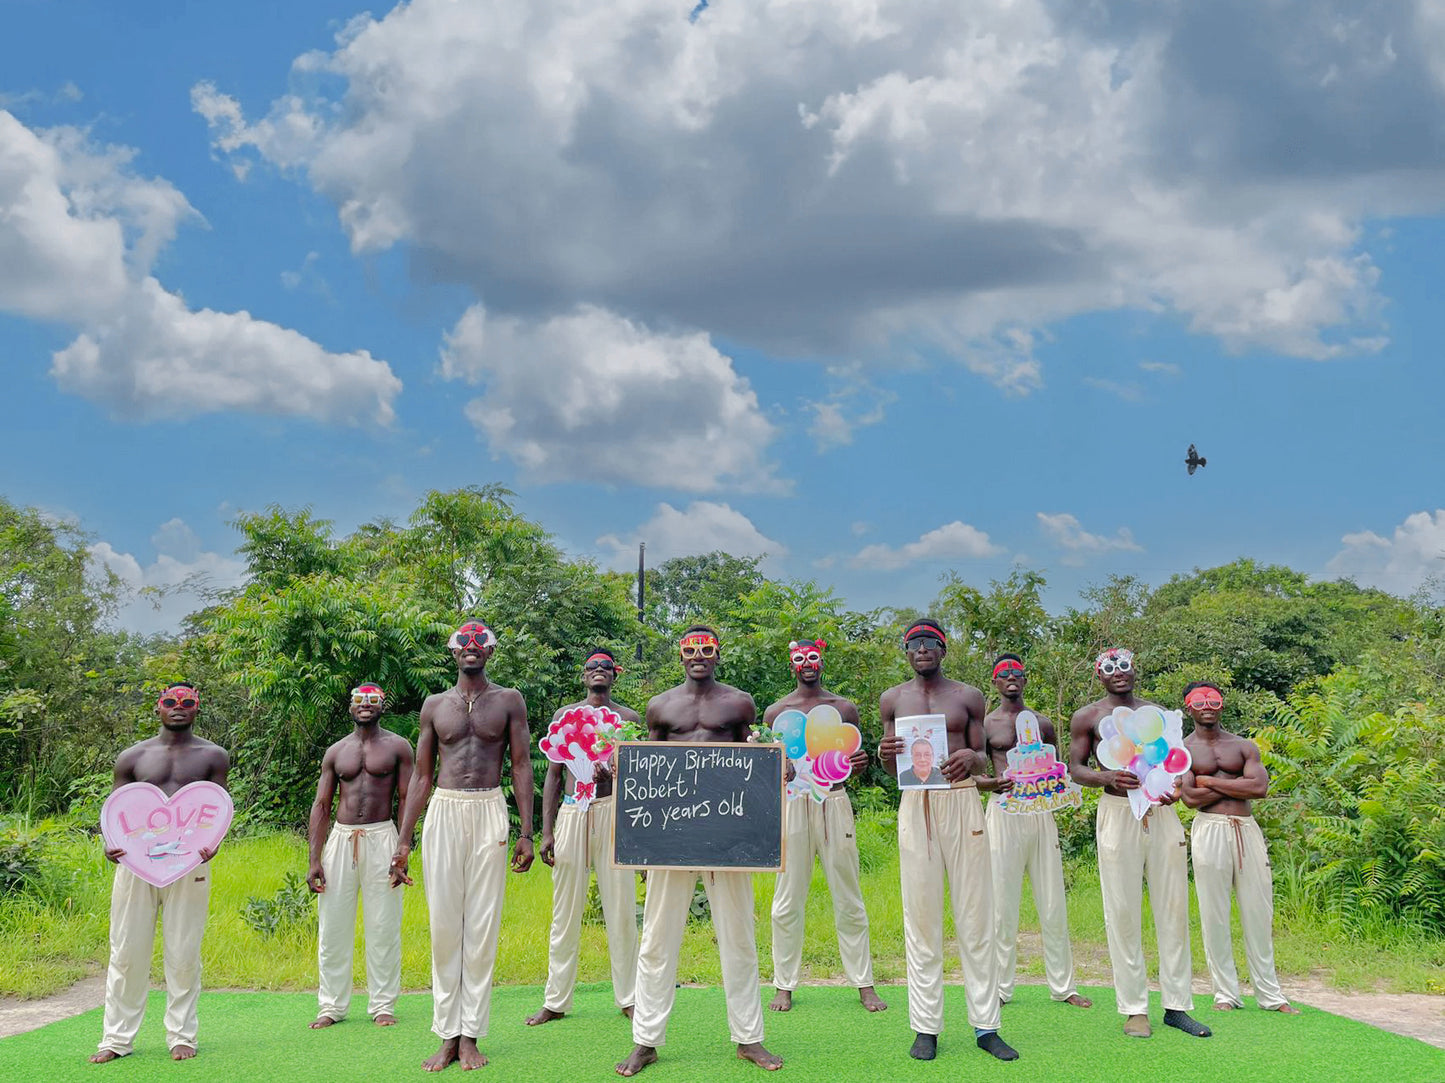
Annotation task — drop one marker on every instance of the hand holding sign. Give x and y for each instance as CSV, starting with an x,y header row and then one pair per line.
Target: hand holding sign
x,y
1148,742
163,838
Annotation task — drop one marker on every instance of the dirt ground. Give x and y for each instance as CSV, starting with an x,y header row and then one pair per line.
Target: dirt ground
x,y
1416,1015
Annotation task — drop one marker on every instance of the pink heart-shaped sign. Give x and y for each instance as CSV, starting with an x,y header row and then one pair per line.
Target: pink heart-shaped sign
x,y
163,836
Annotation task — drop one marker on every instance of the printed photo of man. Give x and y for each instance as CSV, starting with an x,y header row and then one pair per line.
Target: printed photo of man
x,y
924,771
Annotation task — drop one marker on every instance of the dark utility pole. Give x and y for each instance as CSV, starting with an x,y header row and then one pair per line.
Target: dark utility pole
x,y
641,593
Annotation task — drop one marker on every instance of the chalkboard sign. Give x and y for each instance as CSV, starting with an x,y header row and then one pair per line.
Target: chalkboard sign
x,y
698,806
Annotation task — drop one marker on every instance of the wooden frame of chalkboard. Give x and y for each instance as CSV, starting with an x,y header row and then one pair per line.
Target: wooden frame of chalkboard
x,y
622,827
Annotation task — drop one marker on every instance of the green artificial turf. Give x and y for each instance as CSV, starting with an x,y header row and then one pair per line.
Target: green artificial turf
x,y
264,1037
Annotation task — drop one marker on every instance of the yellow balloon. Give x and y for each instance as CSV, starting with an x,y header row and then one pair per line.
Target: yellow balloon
x,y
1148,725
828,732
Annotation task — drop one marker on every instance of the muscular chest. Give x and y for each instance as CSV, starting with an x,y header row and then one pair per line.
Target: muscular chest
x,y
702,721
1217,759
352,761
166,770
912,702
484,719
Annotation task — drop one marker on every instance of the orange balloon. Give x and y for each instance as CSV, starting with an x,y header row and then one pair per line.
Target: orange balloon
x,y
827,732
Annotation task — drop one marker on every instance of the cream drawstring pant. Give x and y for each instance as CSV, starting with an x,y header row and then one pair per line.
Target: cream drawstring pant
x,y
1131,851
664,917
941,834
826,829
464,868
133,906
357,862
1020,843
1230,855
582,843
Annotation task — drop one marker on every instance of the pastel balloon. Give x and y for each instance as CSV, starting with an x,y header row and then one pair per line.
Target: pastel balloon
x,y
1157,783
1155,751
831,766
1108,728
1177,762
1139,765
827,731
1148,725
792,726
1116,752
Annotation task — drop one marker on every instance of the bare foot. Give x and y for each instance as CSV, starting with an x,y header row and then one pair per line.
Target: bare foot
x,y
182,1052
385,1019
782,1001
755,1052
1223,1007
470,1056
1078,1001
546,1015
105,1056
640,1057
871,1000
321,1022
1285,1009
442,1057
627,1011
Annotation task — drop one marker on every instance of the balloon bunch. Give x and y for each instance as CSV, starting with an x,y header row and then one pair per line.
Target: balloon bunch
x,y
1148,742
581,738
819,743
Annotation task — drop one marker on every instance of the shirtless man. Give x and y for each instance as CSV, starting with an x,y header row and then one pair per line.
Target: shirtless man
x,y
1131,850
373,767
1025,842
173,758
464,734
941,833
1229,852
575,840
699,709
825,829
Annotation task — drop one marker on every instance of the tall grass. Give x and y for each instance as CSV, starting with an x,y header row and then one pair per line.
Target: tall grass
x,y
55,930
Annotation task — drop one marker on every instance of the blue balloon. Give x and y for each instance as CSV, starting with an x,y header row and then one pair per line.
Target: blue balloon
x,y
1156,750
793,725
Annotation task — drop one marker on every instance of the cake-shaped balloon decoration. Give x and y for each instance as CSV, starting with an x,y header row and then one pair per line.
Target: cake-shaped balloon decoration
x,y
1041,782
1148,742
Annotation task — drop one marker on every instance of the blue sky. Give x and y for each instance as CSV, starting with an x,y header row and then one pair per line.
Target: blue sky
x,y
880,289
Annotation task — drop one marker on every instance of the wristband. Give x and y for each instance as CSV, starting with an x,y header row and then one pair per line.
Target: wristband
x,y
528,837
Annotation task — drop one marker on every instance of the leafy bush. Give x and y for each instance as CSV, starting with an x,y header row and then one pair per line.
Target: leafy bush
x,y
19,864
284,913
1361,798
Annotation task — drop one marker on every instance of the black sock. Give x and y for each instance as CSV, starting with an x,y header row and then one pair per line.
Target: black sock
x,y
992,1043
925,1046
1183,1021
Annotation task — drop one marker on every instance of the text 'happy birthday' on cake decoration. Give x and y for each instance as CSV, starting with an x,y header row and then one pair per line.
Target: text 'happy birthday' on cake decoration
x,y
1041,782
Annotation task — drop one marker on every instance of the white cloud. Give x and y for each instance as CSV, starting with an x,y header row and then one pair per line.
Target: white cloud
x,y
702,528
952,541
79,231
1065,531
878,179
1165,368
837,417
592,395
164,592
1119,389
1412,557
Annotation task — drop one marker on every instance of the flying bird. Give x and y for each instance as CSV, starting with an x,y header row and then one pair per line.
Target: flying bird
x,y
1194,460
